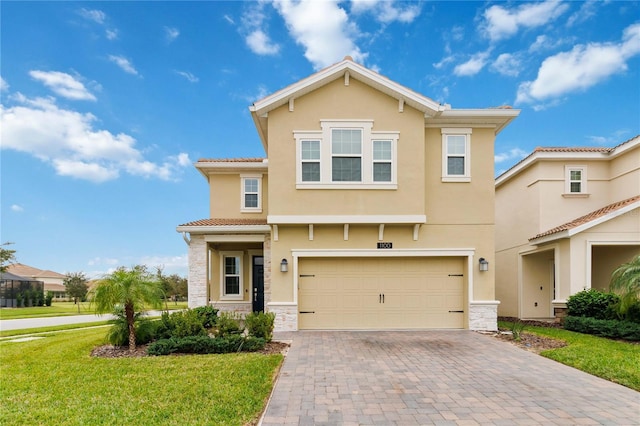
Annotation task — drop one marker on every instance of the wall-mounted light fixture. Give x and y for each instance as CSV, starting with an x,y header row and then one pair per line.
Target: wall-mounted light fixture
x,y
484,264
284,266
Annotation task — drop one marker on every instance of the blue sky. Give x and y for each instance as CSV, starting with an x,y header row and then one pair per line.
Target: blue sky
x,y
106,105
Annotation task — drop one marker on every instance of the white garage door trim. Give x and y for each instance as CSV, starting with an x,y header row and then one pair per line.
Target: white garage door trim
x,y
463,252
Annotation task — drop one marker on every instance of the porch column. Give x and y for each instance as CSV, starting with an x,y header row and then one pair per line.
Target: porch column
x,y
198,260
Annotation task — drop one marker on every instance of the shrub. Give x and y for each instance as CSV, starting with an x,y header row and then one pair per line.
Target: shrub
x,y
19,300
612,329
208,314
48,298
517,327
187,323
260,324
206,345
228,323
118,334
592,303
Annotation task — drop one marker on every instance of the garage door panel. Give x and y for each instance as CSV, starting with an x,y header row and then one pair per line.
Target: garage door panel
x,y
345,293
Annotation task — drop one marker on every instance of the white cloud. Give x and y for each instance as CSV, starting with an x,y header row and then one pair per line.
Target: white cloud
x,y
17,208
124,64
444,61
386,11
97,16
169,264
190,77
112,34
63,84
103,261
260,43
501,22
171,33
587,11
473,66
323,29
612,140
582,67
229,19
67,141
512,154
507,64
4,86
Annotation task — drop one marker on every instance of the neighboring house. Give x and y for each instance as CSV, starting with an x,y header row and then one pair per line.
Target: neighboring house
x,y
373,210
53,281
565,219
12,285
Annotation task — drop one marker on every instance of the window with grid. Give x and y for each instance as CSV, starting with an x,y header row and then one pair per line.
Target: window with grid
x,y
250,193
231,276
346,155
575,180
382,159
310,157
456,155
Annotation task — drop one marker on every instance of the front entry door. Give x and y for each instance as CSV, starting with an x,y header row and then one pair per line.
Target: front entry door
x,y
258,283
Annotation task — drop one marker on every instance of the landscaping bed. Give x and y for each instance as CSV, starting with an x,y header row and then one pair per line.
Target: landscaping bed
x,y
111,351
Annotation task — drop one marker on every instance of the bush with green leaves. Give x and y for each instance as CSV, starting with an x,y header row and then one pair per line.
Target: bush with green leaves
x,y
612,329
48,298
206,345
118,334
209,315
260,324
229,323
592,303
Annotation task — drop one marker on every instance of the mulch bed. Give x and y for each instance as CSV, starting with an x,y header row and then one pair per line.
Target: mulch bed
x,y
110,351
529,341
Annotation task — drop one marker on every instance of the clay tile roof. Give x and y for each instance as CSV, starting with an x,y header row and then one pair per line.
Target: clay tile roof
x,y
232,160
589,217
226,222
572,149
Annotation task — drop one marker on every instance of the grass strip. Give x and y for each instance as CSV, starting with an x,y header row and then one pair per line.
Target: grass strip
x,y
613,360
36,330
55,381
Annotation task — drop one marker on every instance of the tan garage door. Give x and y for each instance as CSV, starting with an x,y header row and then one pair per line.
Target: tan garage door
x,y
381,293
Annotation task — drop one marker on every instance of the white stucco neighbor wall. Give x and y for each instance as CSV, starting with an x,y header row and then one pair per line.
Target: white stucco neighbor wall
x,y
286,316
197,282
483,315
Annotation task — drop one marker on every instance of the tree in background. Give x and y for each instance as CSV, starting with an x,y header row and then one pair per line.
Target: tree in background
x,y
131,289
7,257
174,286
625,281
76,286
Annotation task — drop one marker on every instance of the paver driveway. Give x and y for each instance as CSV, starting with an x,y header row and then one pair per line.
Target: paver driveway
x,y
436,377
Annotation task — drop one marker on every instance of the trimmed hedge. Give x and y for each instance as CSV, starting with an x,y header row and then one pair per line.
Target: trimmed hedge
x,y
592,303
206,345
612,329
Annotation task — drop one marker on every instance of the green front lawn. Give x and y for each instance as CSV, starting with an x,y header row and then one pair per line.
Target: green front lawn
x,y
613,360
54,380
60,309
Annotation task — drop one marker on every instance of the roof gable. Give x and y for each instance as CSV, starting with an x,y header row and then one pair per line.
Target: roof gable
x,y
589,220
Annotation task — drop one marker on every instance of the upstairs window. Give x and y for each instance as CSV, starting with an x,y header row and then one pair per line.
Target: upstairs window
x,y
251,193
456,156
346,154
575,180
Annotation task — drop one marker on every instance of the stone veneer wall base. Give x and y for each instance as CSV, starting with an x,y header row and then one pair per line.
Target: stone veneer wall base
x,y
286,316
483,315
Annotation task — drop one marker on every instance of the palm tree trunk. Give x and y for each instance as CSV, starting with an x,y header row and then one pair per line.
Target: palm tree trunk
x,y
129,312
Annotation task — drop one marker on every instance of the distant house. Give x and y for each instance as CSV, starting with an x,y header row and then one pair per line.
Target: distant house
x,y
53,281
374,209
565,219
12,286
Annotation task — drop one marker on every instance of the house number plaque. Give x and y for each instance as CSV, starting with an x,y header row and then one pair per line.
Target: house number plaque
x,y
385,245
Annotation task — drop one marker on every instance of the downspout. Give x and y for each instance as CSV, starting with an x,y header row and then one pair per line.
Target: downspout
x,y
186,239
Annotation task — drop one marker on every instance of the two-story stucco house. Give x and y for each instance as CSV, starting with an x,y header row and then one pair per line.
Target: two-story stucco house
x,y
565,219
373,209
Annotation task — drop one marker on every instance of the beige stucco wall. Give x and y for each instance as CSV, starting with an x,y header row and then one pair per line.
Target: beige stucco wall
x,y
354,102
225,195
624,173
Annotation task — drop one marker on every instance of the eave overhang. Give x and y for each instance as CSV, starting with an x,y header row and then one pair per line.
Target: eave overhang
x,y
496,118
346,219
206,167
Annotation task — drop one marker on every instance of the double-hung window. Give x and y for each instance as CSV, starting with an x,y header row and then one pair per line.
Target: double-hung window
x,y
251,193
456,155
346,155
231,275
382,161
310,161
575,180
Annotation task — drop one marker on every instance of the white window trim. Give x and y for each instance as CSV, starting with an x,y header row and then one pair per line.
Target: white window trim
x,y
243,208
368,136
567,181
466,132
223,255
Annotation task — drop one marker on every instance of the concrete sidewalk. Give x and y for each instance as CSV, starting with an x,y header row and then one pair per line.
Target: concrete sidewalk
x,y
20,324
436,377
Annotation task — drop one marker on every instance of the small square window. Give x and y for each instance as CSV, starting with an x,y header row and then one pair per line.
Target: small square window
x,y
251,194
576,181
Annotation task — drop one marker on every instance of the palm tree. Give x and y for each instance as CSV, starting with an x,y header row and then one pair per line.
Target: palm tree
x,y
625,281
130,288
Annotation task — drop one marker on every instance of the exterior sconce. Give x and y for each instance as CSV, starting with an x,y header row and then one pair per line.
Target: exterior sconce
x,y
484,264
284,266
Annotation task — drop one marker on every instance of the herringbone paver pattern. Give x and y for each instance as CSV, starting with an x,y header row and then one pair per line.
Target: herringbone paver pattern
x,y
439,378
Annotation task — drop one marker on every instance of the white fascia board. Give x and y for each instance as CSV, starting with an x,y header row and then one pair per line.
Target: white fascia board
x,y
498,118
223,229
335,71
578,229
342,219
